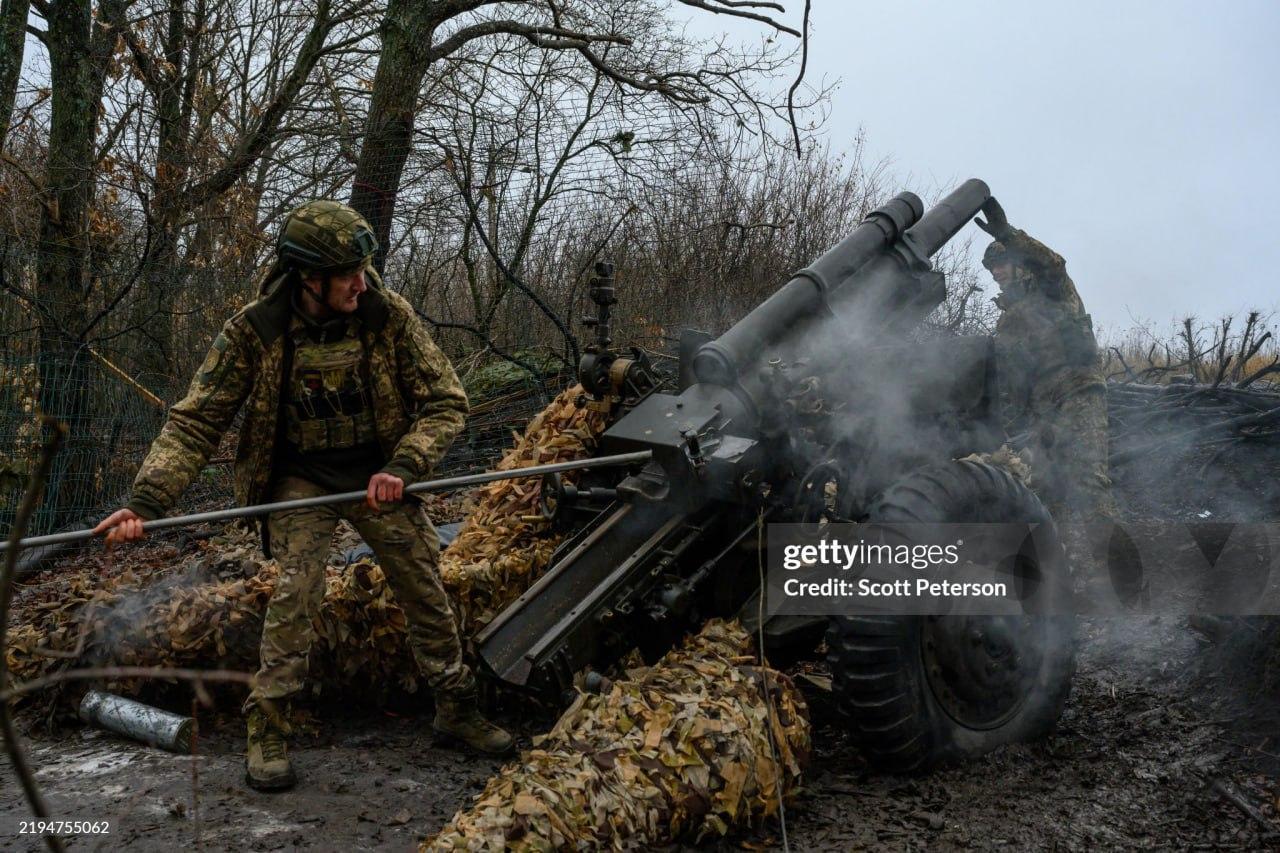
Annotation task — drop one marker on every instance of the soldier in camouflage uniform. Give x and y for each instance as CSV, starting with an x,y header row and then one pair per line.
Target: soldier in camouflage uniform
x,y
342,390
1052,386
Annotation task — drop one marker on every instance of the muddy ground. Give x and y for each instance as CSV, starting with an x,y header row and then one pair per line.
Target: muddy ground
x,y
1129,768
1161,718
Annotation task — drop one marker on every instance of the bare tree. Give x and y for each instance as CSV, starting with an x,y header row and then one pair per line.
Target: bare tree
x,y
78,52
419,33
13,42
180,67
170,136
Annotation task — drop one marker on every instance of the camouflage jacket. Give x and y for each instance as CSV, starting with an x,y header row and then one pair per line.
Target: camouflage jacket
x,y
419,404
1044,339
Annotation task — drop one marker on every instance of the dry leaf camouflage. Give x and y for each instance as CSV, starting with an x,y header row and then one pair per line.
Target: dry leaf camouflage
x,y
676,752
499,552
19,391
182,619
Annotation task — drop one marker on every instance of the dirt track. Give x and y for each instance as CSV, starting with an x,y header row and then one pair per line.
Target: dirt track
x,y
1127,769
1155,718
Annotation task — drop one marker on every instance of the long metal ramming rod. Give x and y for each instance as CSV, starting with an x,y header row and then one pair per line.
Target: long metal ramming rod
x,y
343,497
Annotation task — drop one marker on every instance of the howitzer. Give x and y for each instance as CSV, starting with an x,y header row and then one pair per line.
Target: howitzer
x,y
822,402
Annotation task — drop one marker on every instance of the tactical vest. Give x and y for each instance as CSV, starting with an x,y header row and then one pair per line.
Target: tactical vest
x,y
330,404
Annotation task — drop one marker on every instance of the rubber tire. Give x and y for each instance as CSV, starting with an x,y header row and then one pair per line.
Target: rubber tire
x,y
877,664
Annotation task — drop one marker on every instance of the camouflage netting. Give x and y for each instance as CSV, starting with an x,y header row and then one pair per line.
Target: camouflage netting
x,y
500,550
1018,463
679,751
683,750
189,617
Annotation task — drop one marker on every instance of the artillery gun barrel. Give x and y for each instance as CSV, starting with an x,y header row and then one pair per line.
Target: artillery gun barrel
x,y
897,235
627,577
721,360
344,497
946,218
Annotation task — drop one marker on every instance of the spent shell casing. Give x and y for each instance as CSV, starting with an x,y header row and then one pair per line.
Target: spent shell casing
x,y
137,721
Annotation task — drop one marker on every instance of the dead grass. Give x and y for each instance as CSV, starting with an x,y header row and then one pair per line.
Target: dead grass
x,y
1239,354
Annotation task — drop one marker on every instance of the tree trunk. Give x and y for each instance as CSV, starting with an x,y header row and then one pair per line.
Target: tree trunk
x,y
154,307
13,42
407,30
76,65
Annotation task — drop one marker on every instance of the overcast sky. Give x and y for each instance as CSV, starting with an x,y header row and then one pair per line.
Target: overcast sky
x,y
1139,139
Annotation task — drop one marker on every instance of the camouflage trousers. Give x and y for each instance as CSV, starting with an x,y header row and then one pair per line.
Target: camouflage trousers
x,y
1069,456
1069,474
407,548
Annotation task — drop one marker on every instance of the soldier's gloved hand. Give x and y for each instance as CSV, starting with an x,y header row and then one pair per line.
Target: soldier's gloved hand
x,y
996,224
383,487
123,525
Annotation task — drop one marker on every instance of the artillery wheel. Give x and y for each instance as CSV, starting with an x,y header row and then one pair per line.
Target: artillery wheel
x,y
920,690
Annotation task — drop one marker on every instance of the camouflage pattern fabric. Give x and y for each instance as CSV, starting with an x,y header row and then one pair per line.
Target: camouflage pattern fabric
x,y
995,253
1069,456
330,437
407,548
20,389
418,403
1051,382
328,406
326,236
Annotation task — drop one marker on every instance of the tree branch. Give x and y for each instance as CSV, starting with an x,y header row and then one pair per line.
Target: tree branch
x,y
463,182
98,672
489,345
51,208
804,61
728,7
1273,367
114,133
565,39
247,152
654,83
120,294
152,76
1129,372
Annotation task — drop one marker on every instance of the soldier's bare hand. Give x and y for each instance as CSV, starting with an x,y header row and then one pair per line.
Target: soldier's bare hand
x,y
996,223
383,487
123,525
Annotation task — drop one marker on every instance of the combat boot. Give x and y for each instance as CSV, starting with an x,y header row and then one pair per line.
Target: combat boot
x,y
457,716
267,759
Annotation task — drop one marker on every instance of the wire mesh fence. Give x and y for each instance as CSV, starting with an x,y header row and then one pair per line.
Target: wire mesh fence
x,y
696,242
523,166
112,422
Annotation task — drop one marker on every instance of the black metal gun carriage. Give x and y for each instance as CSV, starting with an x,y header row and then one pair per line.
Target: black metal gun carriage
x,y
749,434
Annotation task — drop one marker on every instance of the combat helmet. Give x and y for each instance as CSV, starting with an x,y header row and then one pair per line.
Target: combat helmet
x,y
325,237
996,253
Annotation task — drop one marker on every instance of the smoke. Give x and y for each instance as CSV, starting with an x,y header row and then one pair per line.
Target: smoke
x,y
1221,489
119,625
889,394
1202,507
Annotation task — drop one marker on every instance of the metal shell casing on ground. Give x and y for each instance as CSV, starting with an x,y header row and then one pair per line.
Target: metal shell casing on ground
x,y
137,721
